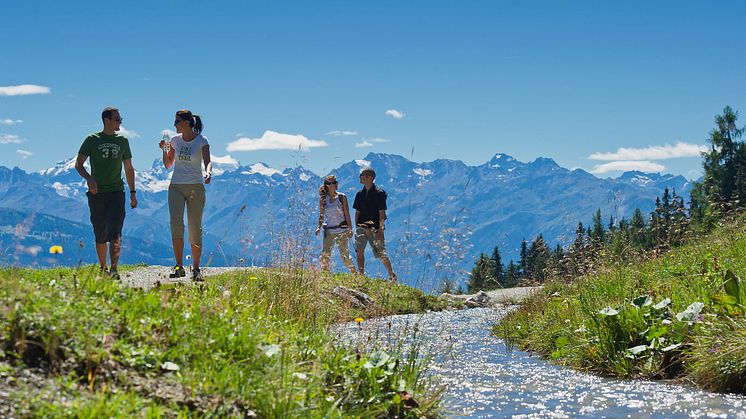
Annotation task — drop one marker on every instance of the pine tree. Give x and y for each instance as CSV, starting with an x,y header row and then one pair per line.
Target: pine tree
x,y
512,275
481,274
637,230
523,262
724,163
598,234
499,269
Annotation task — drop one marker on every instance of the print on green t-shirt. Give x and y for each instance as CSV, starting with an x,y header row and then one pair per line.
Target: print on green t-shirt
x,y
106,153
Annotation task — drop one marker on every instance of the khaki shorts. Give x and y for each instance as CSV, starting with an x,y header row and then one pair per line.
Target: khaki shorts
x,y
365,235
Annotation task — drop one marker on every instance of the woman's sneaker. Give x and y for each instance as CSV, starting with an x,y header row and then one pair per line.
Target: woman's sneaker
x,y
114,274
197,275
178,272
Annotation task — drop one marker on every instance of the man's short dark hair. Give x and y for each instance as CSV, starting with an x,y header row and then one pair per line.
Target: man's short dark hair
x,y
108,112
369,172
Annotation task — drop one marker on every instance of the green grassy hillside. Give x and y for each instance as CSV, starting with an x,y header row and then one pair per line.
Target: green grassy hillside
x,y
680,316
242,344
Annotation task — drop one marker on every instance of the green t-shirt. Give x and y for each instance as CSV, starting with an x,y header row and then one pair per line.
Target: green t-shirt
x,y
106,153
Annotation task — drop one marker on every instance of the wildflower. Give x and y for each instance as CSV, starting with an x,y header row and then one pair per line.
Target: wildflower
x,y
359,320
253,278
55,250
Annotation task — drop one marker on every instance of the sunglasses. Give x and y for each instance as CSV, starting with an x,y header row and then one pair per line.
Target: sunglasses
x,y
117,120
334,182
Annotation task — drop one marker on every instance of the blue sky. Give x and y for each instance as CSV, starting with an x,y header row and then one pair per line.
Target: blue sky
x,y
604,86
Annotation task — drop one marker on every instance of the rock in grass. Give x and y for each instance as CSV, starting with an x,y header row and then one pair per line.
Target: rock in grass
x,y
481,299
355,298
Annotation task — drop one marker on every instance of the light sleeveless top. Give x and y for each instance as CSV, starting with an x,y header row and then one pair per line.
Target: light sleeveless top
x,y
334,215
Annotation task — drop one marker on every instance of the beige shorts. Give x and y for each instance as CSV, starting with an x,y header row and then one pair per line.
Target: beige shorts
x,y
364,236
193,197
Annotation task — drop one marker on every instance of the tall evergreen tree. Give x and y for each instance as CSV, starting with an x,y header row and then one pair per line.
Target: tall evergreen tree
x,y
523,262
723,162
598,234
499,269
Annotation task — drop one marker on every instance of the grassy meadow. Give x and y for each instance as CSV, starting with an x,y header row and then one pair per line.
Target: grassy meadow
x,y
678,316
243,344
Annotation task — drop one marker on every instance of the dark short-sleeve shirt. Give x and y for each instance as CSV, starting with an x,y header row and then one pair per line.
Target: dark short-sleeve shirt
x,y
369,203
106,153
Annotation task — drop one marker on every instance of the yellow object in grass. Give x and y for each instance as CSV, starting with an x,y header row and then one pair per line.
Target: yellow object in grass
x,y
359,320
55,250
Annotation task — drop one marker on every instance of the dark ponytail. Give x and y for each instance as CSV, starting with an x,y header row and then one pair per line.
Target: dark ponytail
x,y
196,124
194,120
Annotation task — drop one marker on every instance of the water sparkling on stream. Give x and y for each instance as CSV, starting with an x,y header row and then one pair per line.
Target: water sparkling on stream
x,y
484,379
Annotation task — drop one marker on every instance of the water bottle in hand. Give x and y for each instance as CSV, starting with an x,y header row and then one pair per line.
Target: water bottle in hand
x,y
166,142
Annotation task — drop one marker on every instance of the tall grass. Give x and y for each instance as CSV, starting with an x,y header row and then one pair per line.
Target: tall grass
x,y
676,316
248,343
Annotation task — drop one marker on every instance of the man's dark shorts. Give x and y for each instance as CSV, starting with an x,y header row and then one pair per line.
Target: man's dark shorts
x,y
107,215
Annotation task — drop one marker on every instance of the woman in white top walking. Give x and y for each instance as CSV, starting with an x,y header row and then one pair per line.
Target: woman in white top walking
x,y
334,218
187,151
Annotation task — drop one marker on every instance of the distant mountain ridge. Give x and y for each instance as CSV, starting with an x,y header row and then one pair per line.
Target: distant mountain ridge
x,y
441,213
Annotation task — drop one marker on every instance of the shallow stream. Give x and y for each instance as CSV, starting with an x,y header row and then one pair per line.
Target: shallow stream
x,y
484,379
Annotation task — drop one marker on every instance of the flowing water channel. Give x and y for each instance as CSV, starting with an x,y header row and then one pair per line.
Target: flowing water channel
x,y
484,379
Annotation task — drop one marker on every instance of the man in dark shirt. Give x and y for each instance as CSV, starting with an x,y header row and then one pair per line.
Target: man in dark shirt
x,y
107,151
370,217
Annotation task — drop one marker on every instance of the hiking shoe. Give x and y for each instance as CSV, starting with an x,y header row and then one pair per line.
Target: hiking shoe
x,y
103,271
178,272
197,275
114,274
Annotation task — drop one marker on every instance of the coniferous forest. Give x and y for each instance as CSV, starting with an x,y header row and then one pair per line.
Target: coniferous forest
x,y
720,194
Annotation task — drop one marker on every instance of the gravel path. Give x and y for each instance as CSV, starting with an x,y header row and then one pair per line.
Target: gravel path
x,y
148,276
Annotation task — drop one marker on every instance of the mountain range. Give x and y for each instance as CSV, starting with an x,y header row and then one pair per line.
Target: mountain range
x,y
441,214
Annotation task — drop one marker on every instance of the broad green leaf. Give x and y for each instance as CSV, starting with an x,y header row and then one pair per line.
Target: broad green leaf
x,y
638,349
724,299
169,366
642,301
663,304
377,359
561,342
270,350
656,331
608,311
691,312
732,286
671,347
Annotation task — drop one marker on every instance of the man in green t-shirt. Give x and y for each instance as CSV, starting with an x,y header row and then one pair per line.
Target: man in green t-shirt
x,y
107,151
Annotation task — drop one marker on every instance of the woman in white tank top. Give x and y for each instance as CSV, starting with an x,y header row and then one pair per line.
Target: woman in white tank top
x,y
187,152
334,218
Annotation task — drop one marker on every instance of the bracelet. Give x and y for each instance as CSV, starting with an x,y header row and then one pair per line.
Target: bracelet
x,y
133,191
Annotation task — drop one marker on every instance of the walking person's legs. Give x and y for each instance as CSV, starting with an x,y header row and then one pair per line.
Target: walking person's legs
x,y
176,203
195,205
361,239
326,251
343,244
115,222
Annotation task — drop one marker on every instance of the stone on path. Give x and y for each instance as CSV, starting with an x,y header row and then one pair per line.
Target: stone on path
x,y
354,298
480,299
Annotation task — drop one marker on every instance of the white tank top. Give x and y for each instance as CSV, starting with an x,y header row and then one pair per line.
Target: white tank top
x,y
187,160
334,214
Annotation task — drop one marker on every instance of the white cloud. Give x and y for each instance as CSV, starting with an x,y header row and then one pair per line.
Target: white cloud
x,y
363,144
8,121
394,113
377,140
272,140
657,152
24,89
24,153
127,133
227,160
627,165
10,139
338,133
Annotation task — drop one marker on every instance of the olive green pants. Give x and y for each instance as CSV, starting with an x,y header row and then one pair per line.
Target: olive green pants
x,y
193,197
